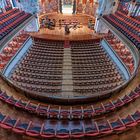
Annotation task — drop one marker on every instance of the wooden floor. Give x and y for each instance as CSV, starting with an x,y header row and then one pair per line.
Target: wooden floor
x,y
82,32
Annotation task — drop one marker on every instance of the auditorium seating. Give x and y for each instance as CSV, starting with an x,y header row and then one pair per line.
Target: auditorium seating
x,y
127,25
122,51
41,68
12,47
10,20
70,112
93,70
69,129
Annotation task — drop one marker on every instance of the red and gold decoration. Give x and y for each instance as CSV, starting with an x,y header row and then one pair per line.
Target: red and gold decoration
x,y
85,6
48,6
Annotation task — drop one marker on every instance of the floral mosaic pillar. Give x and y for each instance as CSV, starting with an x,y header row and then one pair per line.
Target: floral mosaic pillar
x,y
79,6
104,7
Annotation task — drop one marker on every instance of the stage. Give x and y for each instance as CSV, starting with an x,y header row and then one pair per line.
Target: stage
x,y
80,32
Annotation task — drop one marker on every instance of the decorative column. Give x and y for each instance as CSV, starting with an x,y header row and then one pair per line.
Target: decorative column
x,y
3,4
94,9
104,7
84,5
74,7
60,6
138,10
42,6
135,10
11,3
79,6
115,6
131,8
32,6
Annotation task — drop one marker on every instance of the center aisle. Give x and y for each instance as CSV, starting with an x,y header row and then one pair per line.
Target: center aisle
x,y
67,82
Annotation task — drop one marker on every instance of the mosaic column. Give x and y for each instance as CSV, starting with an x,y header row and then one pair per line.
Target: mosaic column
x,y
105,7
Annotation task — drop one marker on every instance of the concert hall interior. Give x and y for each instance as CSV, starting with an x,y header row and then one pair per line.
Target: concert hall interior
x,y
70,69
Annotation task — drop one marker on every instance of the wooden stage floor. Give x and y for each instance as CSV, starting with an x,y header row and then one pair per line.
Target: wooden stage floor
x,y
82,32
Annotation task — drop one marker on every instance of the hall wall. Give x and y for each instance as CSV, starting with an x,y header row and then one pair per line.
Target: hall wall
x,y
48,6
30,6
82,6
86,7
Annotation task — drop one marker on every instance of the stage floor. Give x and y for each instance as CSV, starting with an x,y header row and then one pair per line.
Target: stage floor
x,y
82,32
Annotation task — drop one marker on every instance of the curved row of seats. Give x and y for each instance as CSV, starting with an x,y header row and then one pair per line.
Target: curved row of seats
x,y
8,14
97,81
20,70
70,112
127,25
12,47
69,129
123,52
10,22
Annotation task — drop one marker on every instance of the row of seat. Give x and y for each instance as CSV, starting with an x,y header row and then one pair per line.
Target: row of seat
x,y
132,20
43,65
39,76
42,61
97,81
21,72
37,81
69,129
49,91
49,46
8,13
52,67
45,43
92,60
125,55
36,70
96,77
70,112
97,74
86,51
100,89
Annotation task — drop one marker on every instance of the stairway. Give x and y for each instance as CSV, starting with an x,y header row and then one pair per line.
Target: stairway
x,y
67,82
